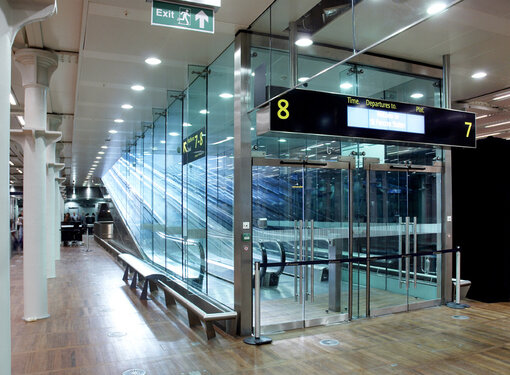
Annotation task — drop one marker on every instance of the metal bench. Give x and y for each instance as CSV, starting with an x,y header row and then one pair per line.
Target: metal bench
x,y
195,314
142,269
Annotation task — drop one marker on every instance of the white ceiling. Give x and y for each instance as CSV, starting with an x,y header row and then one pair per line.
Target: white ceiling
x,y
102,45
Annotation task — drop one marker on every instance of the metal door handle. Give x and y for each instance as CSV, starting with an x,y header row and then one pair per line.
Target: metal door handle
x,y
407,252
415,248
312,258
295,259
301,258
400,252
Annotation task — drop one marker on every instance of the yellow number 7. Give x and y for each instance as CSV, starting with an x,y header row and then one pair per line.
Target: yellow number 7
x,y
470,124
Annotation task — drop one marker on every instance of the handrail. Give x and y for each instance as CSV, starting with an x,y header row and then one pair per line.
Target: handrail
x,y
358,259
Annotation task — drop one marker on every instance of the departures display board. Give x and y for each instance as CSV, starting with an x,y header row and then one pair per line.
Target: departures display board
x,y
312,112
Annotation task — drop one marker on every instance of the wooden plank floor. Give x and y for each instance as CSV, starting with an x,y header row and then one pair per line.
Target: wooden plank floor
x,y
99,326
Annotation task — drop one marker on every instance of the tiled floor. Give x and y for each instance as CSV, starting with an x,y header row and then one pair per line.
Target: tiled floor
x,y
99,326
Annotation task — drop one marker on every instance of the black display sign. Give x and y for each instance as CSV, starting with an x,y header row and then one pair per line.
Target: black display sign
x,y
193,147
312,112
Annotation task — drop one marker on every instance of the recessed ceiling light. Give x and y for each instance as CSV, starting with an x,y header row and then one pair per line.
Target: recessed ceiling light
x,y
282,140
303,79
502,97
304,41
436,8
118,120
112,131
173,134
21,120
480,117
346,86
479,75
19,170
137,88
204,111
186,124
99,157
417,95
497,124
153,61
104,147
101,152
11,163
162,142
226,95
126,106
12,99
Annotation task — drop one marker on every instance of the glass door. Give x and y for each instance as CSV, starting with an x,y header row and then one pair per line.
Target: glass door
x,y
301,213
404,211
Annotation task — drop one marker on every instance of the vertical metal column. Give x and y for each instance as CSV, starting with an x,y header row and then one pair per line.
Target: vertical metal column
x,y
242,184
446,196
351,243
368,241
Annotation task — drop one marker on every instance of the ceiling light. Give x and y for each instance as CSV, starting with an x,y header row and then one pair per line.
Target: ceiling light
x,y
346,86
153,61
436,8
282,140
479,75
21,120
137,88
118,120
12,99
162,142
487,135
303,79
173,134
104,147
101,152
224,140
482,116
126,106
304,41
502,97
204,111
226,95
99,157
11,163
19,170
112,131
417,95
186,124
497,124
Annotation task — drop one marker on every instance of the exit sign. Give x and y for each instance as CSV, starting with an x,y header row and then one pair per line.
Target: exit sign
x,y
182,16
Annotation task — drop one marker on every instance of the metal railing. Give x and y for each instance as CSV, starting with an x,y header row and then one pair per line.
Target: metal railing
x,y
257,339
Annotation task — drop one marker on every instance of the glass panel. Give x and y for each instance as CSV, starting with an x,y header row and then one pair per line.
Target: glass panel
x,y
158,183
173,182
194,183
220,178
327,205
277,211
146,242
425,207
388,212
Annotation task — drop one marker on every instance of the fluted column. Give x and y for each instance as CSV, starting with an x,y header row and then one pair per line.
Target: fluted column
x,y
36,67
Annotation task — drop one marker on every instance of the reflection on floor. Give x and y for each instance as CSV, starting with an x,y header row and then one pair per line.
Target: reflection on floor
x,y
99,326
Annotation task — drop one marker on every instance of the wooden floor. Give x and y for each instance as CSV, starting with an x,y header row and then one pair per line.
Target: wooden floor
x,y
99,326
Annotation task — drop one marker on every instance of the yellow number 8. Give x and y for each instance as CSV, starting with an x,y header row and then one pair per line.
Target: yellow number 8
x,y
283,113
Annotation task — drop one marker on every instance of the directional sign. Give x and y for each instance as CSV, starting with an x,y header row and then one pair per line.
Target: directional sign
x,y
182,17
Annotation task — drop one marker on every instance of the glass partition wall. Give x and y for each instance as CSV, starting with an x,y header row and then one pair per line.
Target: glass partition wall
x,y
308,197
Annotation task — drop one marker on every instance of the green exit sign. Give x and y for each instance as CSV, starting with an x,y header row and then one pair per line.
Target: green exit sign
x,y
182,16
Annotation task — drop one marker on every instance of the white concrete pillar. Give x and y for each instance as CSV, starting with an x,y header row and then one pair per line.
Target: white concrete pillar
x,y
51,169
36,67
58,211
12,18
5,236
